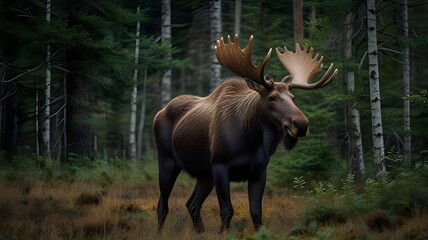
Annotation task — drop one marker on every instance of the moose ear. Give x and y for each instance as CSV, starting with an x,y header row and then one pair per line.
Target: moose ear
x,y
287,79
254,86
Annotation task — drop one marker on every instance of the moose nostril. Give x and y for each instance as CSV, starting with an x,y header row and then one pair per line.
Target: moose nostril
x,y
302,127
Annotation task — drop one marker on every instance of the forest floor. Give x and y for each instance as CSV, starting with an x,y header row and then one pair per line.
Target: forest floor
x,y
91,210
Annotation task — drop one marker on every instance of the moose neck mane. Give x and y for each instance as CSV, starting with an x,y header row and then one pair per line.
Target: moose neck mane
x,y
236,105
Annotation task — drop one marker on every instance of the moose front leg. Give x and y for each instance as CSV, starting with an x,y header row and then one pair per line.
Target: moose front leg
x,y
222,187
256,188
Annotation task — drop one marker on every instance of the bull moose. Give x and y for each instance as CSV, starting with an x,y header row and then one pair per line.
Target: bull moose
x,y
231,134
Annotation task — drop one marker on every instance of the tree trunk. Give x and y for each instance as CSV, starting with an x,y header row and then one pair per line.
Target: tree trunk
x,y
356,160
11,122
407,148
64,121
216,28
133,121
9,94
79,134
36,113
47,126
166,40
238,9
142,120
298,20
313,23
375,100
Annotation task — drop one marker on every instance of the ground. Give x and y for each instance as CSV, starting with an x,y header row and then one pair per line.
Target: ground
x,y
91,210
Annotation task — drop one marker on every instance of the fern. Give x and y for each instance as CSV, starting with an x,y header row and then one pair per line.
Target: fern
x,y
299,183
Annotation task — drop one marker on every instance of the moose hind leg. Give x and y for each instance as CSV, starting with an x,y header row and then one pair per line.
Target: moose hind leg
x,y
202,189
167,175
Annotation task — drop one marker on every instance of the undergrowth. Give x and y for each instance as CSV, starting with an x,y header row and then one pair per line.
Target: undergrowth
x,y
25,168
381,206
105,199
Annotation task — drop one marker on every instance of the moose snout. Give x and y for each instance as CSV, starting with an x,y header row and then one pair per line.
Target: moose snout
x,y
299,127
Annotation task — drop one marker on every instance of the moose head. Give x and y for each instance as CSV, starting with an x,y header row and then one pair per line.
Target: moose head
x,y
276,100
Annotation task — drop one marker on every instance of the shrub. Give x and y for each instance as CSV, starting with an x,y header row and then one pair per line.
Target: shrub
x,y
311,158
379,221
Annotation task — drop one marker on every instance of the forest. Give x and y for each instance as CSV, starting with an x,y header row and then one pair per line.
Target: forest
x,y
81,82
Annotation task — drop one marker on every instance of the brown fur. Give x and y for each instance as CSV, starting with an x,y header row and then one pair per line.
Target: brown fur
x,y
227,136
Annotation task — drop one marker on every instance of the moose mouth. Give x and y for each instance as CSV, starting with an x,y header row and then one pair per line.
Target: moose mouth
x,y
289,139
291,134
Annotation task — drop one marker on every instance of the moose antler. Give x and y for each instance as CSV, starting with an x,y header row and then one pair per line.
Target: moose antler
x,y
239,61
303,67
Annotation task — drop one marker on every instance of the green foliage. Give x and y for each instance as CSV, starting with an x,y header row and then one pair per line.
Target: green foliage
x,y
331,204
299,183
105,33
421,97
263,234
26,168
76,168
313,159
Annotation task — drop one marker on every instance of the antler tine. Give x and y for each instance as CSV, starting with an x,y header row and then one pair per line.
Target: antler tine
x,y
302,66
239,61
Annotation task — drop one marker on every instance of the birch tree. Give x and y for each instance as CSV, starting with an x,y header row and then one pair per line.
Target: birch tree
x,y
407,148
133,118
356,160
47,126
375,97
142,118
216,28
166,40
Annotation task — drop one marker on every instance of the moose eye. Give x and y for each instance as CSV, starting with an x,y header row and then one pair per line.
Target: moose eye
x,y
271,98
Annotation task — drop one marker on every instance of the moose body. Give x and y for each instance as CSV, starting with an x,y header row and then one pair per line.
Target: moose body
x,y
227,136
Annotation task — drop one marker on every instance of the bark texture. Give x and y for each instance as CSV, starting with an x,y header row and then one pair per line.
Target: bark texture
x,y
375,97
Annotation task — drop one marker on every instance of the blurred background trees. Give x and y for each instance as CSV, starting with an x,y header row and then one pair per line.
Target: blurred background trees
x,y
89,50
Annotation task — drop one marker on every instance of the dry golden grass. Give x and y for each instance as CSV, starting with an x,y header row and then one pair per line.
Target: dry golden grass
x,y
87,210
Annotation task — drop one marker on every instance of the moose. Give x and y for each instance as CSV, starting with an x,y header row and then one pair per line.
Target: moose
x,y
231,134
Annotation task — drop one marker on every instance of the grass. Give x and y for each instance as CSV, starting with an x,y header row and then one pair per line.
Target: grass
x,y
82,210
88,210
118,201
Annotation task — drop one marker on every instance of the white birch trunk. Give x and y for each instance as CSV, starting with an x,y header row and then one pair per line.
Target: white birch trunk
x,y
407,148
166,40
46,126
142,122
359,157
133,118
238,9
356,156
216,28
375,100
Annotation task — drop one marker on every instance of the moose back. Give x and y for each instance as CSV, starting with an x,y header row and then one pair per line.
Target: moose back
x,y
231,134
